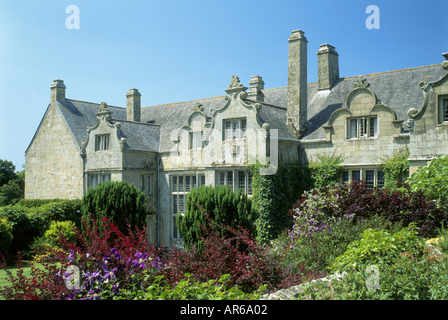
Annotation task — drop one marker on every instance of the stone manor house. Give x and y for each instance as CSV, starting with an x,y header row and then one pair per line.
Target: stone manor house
x,y
166,150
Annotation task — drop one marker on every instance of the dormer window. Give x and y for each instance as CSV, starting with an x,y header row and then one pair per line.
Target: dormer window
x,y
102,142
443,107
235,129
362,127
196,140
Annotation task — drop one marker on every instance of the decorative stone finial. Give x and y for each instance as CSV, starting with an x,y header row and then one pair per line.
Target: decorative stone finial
x,y
445,63
361,82
235,82
198,107
104,109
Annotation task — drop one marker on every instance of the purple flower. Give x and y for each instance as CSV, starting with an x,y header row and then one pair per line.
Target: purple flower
x,y
115,253
71,297
110,274
140,261
158,264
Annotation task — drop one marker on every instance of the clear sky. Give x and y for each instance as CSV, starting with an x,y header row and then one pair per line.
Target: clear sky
x,y
180,50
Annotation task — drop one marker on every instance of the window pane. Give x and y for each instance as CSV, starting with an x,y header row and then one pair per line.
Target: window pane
x,y
236,129
222,178
356,175
174,203
181,184
353,128
174,228
445,109
249,187
372,127
187,184
193,178
361,127
202,180
174,184
230,179
181,203
370,177
228,130
380,181
344,176
242,180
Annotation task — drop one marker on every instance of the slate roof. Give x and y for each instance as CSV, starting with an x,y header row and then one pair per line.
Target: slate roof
x,y
398,89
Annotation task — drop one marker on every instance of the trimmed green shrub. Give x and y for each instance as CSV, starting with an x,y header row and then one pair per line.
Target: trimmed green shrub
x,y
5,237
432,179
66,228
118,201
26,226
379,248
225,207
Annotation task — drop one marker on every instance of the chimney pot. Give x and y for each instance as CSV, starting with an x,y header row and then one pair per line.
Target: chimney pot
x,y
327,66
256,84
57,90
133,105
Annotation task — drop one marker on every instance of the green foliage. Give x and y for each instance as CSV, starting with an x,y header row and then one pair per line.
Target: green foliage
x,y
5,237
224,206
396,168
326,172
405,278
443,239
10,192
379,248
187,289
26,225
272,197
118,201
432,179
66,228
6,171
12,185
319,250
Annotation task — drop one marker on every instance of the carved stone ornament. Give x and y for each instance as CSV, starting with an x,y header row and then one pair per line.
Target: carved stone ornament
x,y
235,82
410,125
198,107
445,63
361,83
123,144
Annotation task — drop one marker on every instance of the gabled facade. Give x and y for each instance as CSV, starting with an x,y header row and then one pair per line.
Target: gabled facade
x,y
167,150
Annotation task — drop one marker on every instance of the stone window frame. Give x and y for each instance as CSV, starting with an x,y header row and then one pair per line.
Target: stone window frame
x,y
178,196
100,177
364,126
242,130
146,183
442,108
195,140
378,176
102,142
236,182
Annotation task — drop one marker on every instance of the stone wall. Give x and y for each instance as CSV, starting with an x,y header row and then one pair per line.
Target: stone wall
x,y
53,163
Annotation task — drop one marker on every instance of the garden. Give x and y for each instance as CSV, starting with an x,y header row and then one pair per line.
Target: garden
x,y
391,243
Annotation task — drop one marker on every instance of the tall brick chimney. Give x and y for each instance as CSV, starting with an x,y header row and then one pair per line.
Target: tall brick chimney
x,y
327,66
57,90
297,82
133,105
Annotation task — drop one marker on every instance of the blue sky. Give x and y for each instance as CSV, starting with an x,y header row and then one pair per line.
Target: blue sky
x,y
180,50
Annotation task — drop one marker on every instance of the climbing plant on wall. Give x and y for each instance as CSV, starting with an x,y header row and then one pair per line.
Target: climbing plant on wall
x,y
326,171
396,168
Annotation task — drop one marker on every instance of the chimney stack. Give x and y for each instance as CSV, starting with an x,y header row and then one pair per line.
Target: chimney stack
x,y
256,84
133,105
297,82
327,66
57,90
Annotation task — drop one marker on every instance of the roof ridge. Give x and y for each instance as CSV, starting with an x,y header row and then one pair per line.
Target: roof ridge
x,y
391,71
136,122
93,103
166,104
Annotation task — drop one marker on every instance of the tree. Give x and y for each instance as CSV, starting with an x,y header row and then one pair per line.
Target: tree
x,y
118,201
224,207
12,185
